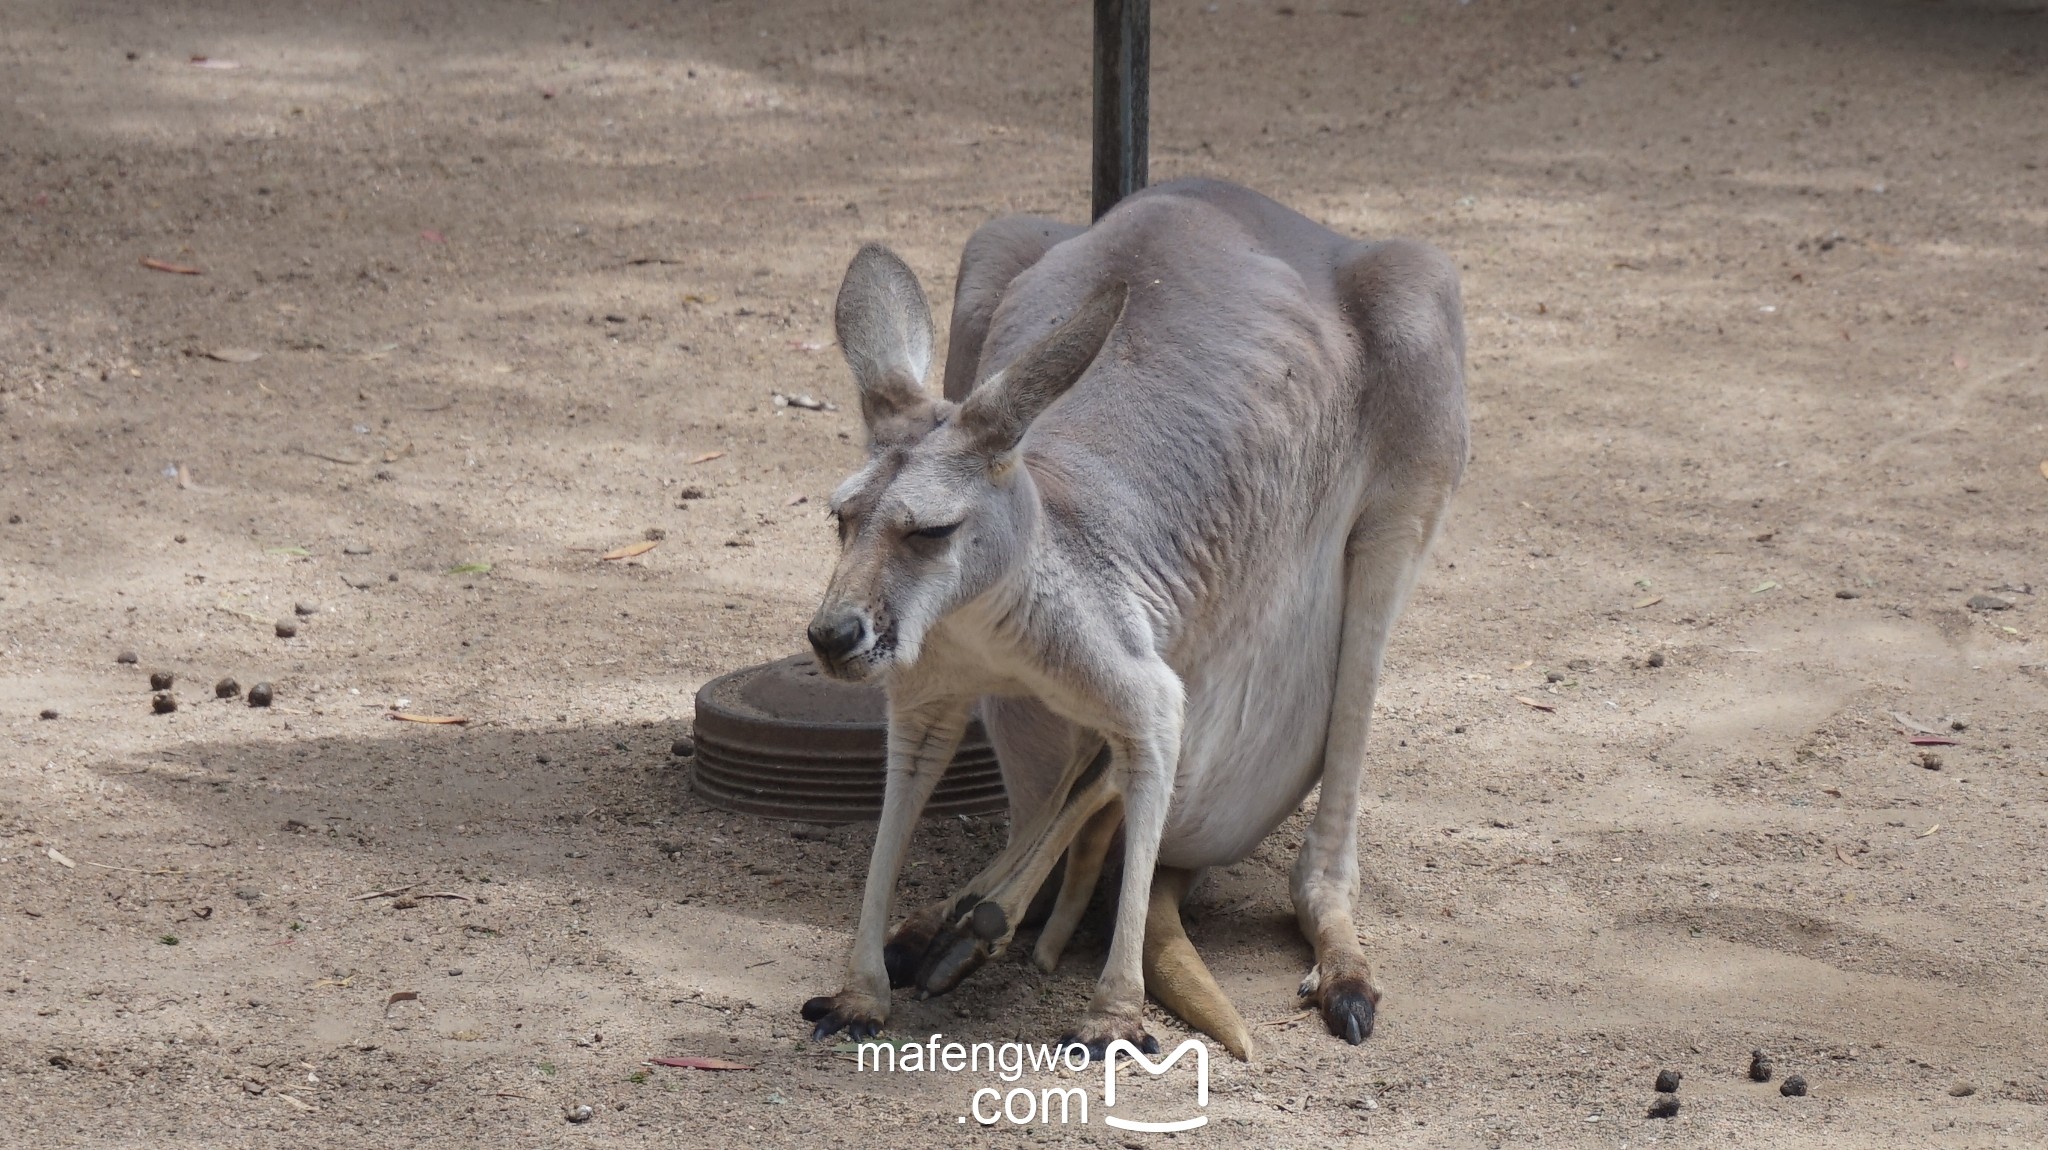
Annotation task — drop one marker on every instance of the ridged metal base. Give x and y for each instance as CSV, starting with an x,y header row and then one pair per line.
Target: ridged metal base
x,y
784,741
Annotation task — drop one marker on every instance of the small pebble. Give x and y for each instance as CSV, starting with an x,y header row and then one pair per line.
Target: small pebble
x,y
259,695
1846,593
286,628
1553,676
1959,1090
355,549
305,608
1656,659
1794,1086
1664,1106
226,689
1759,1067
1930,760
391,578
1988,603
248,894
126,657
163,704
1667,1081
49,712
582,1114
177,538
682,748
160,680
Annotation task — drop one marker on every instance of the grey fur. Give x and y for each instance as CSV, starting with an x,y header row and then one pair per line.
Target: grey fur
x,y
1194,552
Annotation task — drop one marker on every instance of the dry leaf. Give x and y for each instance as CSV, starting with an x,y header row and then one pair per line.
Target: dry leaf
x,y
1652,601
1835,791
1528,702
1523,665
438,720
295,1103
443,894
392,893
174,269
708,457
2044,469
1934,741
433,237
630,550
234,355
1843,855
692,1062
796,500
57,856
1961,361
1928,831
1763,587
216,65
398,996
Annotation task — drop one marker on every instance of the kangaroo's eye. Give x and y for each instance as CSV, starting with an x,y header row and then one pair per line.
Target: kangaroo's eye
x,y
939,531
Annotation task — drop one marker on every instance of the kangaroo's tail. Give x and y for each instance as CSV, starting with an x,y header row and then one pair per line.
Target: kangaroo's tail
x,y
1175,975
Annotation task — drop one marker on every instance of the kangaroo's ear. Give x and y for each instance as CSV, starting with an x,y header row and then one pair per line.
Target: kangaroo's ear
x,y
998,411
885,331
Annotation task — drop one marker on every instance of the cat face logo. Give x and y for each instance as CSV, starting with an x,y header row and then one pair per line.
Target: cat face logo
x,y
1120,1046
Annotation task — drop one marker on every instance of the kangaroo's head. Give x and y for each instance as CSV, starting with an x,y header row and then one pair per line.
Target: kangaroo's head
x,y
942,509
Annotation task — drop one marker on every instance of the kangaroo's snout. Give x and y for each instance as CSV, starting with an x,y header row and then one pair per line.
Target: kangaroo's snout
x,y
834,637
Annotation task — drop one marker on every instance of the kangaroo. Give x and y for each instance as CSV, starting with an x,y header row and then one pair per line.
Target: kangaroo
x,y
1182,476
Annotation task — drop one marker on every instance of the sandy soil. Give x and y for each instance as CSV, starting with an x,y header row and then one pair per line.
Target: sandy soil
x,y
1756,308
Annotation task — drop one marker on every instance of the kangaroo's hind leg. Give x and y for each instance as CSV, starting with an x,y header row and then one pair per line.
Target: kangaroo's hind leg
x,y
1403,298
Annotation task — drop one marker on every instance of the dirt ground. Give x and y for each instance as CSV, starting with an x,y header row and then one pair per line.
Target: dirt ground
x,y
1755,296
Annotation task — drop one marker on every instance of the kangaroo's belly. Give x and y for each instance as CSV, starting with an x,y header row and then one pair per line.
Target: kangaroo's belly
x,y
1259,692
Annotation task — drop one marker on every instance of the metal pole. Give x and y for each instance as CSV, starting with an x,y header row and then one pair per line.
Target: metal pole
x,y
1123,74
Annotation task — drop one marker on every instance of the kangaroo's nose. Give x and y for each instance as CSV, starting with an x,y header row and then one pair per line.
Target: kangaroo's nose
x,y
832,638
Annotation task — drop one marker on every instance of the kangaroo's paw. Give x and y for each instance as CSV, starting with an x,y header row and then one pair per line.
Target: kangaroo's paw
x,y
905,952
1348,1002
964,947
1097,1031
858,1014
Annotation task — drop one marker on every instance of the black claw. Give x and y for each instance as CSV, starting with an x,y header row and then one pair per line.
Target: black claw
x,y
952,958
825,1012
1097,1051
1349,1014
